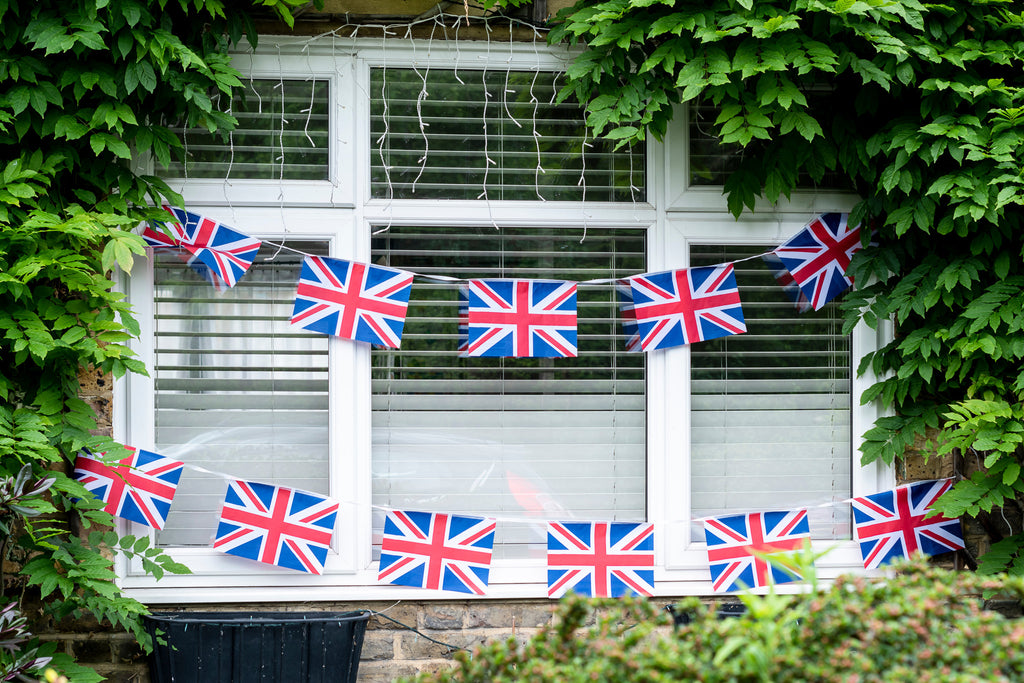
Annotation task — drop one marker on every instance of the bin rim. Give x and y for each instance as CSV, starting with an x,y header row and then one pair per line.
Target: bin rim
x,y
251,617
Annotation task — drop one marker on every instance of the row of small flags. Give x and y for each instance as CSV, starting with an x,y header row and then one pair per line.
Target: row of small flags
x,y
519,317
293,529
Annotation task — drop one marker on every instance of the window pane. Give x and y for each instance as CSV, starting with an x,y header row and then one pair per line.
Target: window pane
x,y
711,161
771,408
529,438
238,390
466,131
282,134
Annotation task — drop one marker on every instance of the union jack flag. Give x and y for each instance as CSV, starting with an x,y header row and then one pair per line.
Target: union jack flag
x,y
352,300
600,559
140,487
679,307
892,524
437,551
737,545
276,525
624,294
787,282
218,253
521,318
817,257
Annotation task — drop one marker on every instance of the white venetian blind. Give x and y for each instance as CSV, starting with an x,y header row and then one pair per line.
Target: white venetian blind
x,y
238,391
466,134
530,438
771,408
282,134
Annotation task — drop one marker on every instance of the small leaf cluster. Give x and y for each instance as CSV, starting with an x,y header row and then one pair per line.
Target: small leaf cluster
x,y
921,624
918,108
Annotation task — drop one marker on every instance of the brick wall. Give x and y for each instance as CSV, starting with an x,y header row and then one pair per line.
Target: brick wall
x,y
389,650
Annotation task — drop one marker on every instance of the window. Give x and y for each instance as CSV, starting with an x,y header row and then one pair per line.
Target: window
x,y
771,407
536,438
282,133
237,390
489,134
711,161
498,182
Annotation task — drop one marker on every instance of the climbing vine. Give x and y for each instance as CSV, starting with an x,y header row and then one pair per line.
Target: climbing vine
x,y
919,109
88,92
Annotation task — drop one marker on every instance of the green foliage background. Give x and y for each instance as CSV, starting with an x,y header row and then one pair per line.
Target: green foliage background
x,y
919,109
921,625
85,87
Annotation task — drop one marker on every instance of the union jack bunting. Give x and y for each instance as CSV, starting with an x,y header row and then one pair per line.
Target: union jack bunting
x,y
678,307
817,257
276,525
352,300
737,545
218,253
437,551
787,282
624,294
600,559
892,524
140,487
520,318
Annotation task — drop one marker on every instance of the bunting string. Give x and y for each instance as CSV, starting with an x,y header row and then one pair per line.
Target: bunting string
x,y
292,528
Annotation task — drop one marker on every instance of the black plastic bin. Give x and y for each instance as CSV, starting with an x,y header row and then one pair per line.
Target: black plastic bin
x,y
726,610
245,647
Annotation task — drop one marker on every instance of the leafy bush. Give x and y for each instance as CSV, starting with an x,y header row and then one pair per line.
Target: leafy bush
x,y
88,89
923,624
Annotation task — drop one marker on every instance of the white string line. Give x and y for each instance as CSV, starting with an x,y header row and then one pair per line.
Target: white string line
x,y
280,177
508,73
420,96
487,158
231,162
390,195
501,518
458,51
536,106
441,17
514,519
583,174
487,96
446,278
337,103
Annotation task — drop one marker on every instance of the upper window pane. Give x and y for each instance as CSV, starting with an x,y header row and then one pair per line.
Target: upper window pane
x,y
282,134
712,161
445,134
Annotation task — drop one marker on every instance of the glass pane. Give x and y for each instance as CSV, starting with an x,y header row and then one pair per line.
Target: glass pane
x,y
711,161
282,134
238,390
771,408
529,438
490,134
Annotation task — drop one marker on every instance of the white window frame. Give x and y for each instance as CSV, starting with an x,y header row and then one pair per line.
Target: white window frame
x,y
342,211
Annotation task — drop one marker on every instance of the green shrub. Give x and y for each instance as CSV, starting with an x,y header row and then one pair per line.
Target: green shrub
x,y
922,624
